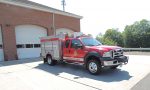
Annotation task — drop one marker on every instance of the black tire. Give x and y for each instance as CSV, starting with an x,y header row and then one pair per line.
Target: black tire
x,y
44,60
114,67
94,67
50,61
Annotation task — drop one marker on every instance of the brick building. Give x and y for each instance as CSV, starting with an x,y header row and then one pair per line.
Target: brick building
x,y
22,22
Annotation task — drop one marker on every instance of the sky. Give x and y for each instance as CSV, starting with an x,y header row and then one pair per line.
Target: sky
x,y
100,15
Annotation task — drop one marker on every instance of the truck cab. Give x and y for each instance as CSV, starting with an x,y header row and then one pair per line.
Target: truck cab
x,y
87,51
74,51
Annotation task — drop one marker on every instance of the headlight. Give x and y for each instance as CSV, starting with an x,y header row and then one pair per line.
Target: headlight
x,y
108,54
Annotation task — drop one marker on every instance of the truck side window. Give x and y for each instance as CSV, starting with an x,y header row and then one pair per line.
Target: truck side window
x,y
1,46
75,41
67,43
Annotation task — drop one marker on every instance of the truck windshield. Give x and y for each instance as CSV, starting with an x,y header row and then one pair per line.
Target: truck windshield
x,y
90,42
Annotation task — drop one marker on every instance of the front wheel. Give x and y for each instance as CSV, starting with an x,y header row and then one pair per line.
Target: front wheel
x,y
50,61
94,67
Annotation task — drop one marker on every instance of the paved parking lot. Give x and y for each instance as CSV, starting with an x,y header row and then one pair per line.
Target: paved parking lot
x,y
32,74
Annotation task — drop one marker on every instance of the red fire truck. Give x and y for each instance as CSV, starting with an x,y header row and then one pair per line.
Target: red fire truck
x,y
82,50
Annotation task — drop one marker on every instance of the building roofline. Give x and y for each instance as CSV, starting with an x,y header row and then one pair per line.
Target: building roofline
x,y
36,6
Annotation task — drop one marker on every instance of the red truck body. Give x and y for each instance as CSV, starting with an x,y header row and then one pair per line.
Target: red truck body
x,y
83,50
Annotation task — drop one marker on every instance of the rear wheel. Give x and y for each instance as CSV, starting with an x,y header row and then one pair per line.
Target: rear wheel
x,y
44,60
94,67
50,61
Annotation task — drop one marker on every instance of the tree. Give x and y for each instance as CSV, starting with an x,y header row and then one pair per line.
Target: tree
x,y
105,41
90,35
111,37
115,36
138,34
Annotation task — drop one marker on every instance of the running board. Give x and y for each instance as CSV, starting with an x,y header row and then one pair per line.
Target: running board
x,y
74,63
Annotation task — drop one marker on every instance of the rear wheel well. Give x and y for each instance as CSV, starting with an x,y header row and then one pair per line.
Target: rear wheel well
x,y
45,59
48,55
50,61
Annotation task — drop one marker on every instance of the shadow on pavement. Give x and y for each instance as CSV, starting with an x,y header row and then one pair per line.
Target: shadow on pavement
x,y
23,61
107,75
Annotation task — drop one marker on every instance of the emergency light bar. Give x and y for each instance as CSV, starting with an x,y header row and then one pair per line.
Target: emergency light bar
x,y
77,34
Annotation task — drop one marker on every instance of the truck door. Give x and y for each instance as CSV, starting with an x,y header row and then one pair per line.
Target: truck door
x,y
66,49
77,53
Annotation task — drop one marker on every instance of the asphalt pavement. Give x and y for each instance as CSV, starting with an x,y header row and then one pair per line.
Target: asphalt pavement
x,y
144,84
33,74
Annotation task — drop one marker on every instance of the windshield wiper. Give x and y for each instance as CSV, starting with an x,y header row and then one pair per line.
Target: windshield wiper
x,y
90,45
98,44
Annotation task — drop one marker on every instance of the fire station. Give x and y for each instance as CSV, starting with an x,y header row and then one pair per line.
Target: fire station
x,y
23,22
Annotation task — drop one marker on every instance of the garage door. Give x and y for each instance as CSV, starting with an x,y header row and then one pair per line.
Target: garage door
x,y
64,30
28,40
1,47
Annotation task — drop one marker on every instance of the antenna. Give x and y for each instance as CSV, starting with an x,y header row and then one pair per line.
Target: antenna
x,y
63,4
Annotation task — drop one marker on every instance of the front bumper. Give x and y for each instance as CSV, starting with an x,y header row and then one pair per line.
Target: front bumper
x,y
116,61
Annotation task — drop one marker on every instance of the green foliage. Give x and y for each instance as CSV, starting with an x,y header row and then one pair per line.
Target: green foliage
x,y
111,37
90,35
108,41
134,36
115,36
138,34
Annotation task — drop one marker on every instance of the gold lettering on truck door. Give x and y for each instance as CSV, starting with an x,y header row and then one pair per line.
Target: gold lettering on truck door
x,y
75,53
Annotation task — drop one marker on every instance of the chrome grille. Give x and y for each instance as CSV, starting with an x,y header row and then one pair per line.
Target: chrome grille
x,y
117,52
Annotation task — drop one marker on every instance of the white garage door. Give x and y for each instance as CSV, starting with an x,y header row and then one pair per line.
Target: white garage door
x,y
64,30
28,40
1,46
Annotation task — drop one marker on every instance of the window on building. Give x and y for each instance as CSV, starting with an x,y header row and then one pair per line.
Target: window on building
x,y
29,45
37,45
20,46
1,46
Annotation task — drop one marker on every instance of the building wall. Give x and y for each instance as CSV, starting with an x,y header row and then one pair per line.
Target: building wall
x,y
11,16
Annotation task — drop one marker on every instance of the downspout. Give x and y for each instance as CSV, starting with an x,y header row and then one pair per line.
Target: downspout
x,y
54,30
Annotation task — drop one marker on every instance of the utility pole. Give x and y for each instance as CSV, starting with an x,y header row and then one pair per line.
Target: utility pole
x,y
63,4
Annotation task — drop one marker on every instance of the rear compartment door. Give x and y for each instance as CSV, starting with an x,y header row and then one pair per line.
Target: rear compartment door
x,y
56,49
51,46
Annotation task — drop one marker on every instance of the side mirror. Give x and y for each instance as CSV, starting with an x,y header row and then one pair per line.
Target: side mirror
x,y
76,45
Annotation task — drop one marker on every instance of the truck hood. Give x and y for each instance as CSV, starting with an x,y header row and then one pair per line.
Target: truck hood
x,y
104,47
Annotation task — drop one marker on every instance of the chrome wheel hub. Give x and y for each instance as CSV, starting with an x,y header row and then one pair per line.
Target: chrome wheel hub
x,y
49,60
93,67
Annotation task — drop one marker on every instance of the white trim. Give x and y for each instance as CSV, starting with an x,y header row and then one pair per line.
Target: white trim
x,y
111,63
72,58
40,7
